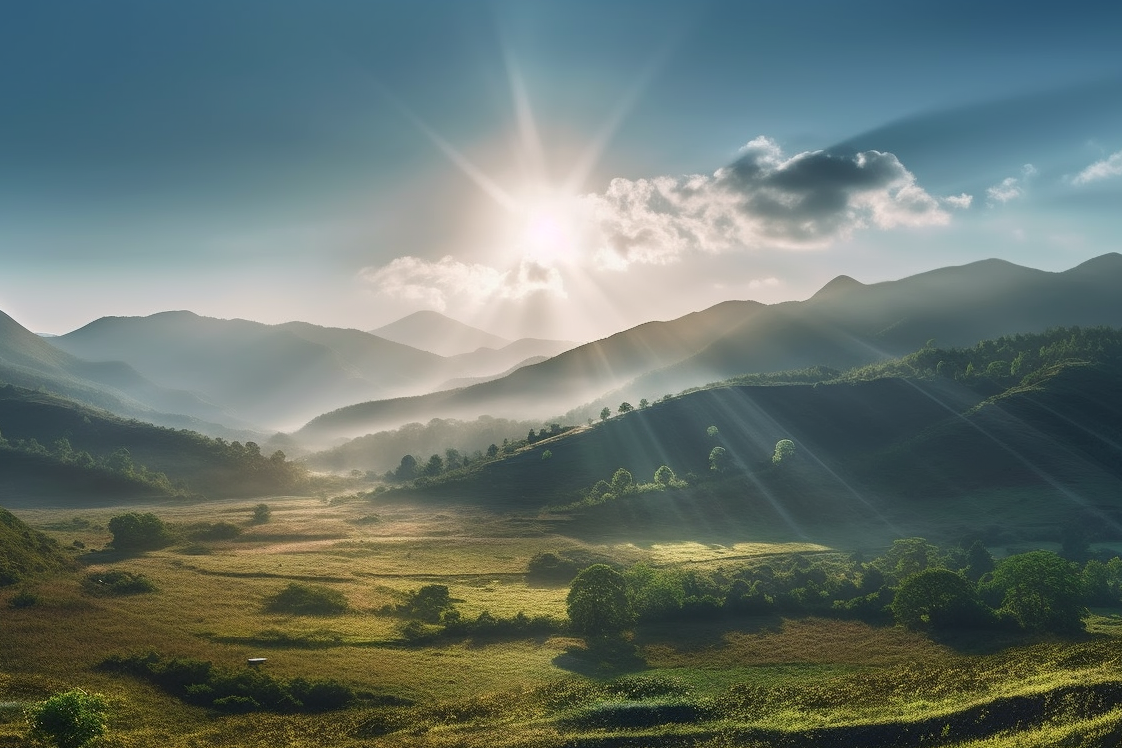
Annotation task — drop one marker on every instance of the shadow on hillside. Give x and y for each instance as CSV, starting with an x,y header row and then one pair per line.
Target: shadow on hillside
x,y
601,657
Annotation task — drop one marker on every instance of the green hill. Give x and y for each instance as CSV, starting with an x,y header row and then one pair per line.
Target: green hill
x,y
24,551
51,446
911,443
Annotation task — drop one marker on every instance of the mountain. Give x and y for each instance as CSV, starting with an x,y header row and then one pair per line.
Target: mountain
x,y
845,324
552,386
28,360
278,375
947,453
433,332
849,324
268,374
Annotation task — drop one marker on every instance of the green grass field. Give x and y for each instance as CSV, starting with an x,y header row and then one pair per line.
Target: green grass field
x,y
747,682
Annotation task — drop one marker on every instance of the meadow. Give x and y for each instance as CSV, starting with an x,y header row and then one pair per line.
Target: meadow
x,y
748,681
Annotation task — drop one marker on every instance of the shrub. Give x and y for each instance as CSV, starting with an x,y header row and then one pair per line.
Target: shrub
x,y
138,532
68,720
306,600
24,599
117,582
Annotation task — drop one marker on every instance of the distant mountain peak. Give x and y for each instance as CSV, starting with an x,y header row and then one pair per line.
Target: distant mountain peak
x,y
437,333
1111,262
839,285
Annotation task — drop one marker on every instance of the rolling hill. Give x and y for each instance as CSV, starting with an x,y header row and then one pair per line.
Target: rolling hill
x,y
952,450
845,324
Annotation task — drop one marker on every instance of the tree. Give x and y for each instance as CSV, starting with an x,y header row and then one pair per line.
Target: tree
x,y
784,449
68,720
434,467
492,450
622,481
712,432
407,470
937,599
605,414
138,532
625,407
979,562
664,476
1041,590
718,459
598,602
262,514
547,454
644,403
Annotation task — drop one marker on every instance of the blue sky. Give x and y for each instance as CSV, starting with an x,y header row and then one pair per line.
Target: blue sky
x,y
562,169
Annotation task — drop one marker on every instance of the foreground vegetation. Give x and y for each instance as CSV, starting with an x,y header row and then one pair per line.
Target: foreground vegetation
x,y
394,625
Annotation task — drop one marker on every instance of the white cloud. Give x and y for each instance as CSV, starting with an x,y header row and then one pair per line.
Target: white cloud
x,y
1108,167
764,199
771,282
960,202
1011,188
435,283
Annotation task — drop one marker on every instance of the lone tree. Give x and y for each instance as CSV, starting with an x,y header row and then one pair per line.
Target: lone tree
x,y
784,449
605,414
138,532
625,407
664,476
622,482
598,602
718,459
261,514
70,719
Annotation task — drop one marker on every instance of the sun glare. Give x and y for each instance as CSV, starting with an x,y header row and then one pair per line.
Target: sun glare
x,y
549,232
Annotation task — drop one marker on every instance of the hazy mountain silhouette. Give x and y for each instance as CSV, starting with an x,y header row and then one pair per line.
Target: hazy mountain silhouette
x,y
278,375
845,324
554,385
28,360
436,333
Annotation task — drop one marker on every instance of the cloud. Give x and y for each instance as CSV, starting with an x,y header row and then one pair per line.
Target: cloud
x,y
770,282
764,199
1108,167
1011,188
960,202
436,283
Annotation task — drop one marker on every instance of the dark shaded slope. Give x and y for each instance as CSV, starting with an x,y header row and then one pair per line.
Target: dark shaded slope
x,y
552,386
832,424
205,465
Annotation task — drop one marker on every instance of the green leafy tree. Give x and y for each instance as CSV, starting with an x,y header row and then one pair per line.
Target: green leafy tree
x,y
598,602
622,481
407,470
429,603
434,467
937,599
547,454
605,414
70,719
1041,590
138,532
262,514
784,450
625,407
664,476
979,562
712,432
492,451
718,459
644,403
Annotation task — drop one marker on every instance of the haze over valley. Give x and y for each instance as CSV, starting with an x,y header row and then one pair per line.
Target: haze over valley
x,y
560,374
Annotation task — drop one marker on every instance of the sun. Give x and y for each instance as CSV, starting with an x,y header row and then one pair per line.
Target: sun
x,y
550,231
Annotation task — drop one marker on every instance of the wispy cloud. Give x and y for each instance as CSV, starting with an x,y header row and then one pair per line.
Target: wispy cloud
x,y
1011,188
1108,167
763,200
434,284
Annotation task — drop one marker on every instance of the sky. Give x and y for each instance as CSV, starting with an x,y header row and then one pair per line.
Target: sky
x,y
556,169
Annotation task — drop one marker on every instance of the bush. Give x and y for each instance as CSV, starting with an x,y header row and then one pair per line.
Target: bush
x,y
24,599
427,604
68,720
237,691
138,532
306,600
117,582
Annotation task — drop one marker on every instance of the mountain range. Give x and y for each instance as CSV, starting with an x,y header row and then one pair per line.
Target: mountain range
x,y
845,324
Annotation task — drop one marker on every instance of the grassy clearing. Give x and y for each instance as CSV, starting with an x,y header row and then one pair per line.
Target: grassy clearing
x,y
720,684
